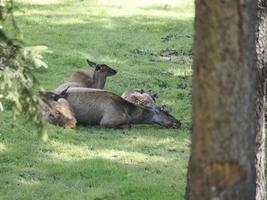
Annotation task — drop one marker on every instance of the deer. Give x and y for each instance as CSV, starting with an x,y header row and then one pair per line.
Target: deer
x,y
58,112
104,108
93,79
140,97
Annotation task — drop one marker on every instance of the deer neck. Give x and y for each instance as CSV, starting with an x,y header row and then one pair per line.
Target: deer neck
x,y
141,115
99,81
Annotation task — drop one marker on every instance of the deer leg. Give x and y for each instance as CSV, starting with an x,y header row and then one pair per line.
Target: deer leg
x,y
114,123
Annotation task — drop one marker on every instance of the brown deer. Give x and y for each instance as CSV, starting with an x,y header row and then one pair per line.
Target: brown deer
x,y
93,79
140,97
100,107
59,113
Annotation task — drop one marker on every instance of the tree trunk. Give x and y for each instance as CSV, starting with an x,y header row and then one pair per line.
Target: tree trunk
x,y
261,44
222,164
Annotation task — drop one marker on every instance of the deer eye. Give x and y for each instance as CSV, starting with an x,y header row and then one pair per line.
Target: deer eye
x,y
97,68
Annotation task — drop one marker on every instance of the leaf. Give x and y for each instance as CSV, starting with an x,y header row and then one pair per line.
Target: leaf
x,y
1,105
34,55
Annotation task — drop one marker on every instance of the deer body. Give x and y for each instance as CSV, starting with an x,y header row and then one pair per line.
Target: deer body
x,y
100,107
64,86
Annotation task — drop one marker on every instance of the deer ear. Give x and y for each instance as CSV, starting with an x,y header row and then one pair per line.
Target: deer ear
x,y
64,93
154,95
92,64
52,96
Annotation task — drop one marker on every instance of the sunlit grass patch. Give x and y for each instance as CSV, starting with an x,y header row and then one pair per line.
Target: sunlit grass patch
x,y
42,2
82,11
129,157
183,71
3,147
71,152
29,182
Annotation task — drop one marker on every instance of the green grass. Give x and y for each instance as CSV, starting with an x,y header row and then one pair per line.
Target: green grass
x,y
149,43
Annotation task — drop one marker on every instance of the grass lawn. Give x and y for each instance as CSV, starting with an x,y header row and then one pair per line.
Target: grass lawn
x,y
149,43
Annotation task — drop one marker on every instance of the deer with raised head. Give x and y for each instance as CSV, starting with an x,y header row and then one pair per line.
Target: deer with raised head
x,y
92,79
100,107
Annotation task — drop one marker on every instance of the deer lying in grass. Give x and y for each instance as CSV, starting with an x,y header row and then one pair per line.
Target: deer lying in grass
x,y
59,113
93,79
100,107
140,97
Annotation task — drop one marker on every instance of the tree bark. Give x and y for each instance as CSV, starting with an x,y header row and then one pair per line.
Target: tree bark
x,y
261,48
222,163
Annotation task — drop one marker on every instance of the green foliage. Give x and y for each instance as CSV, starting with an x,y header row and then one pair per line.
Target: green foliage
x,y
150,46
18,85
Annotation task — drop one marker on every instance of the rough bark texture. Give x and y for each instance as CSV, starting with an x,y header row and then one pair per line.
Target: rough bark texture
x,y
187,189
222,165
261,44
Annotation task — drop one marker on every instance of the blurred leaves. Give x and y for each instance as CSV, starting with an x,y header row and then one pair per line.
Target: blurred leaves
x,y
1,105
19,88
34,55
